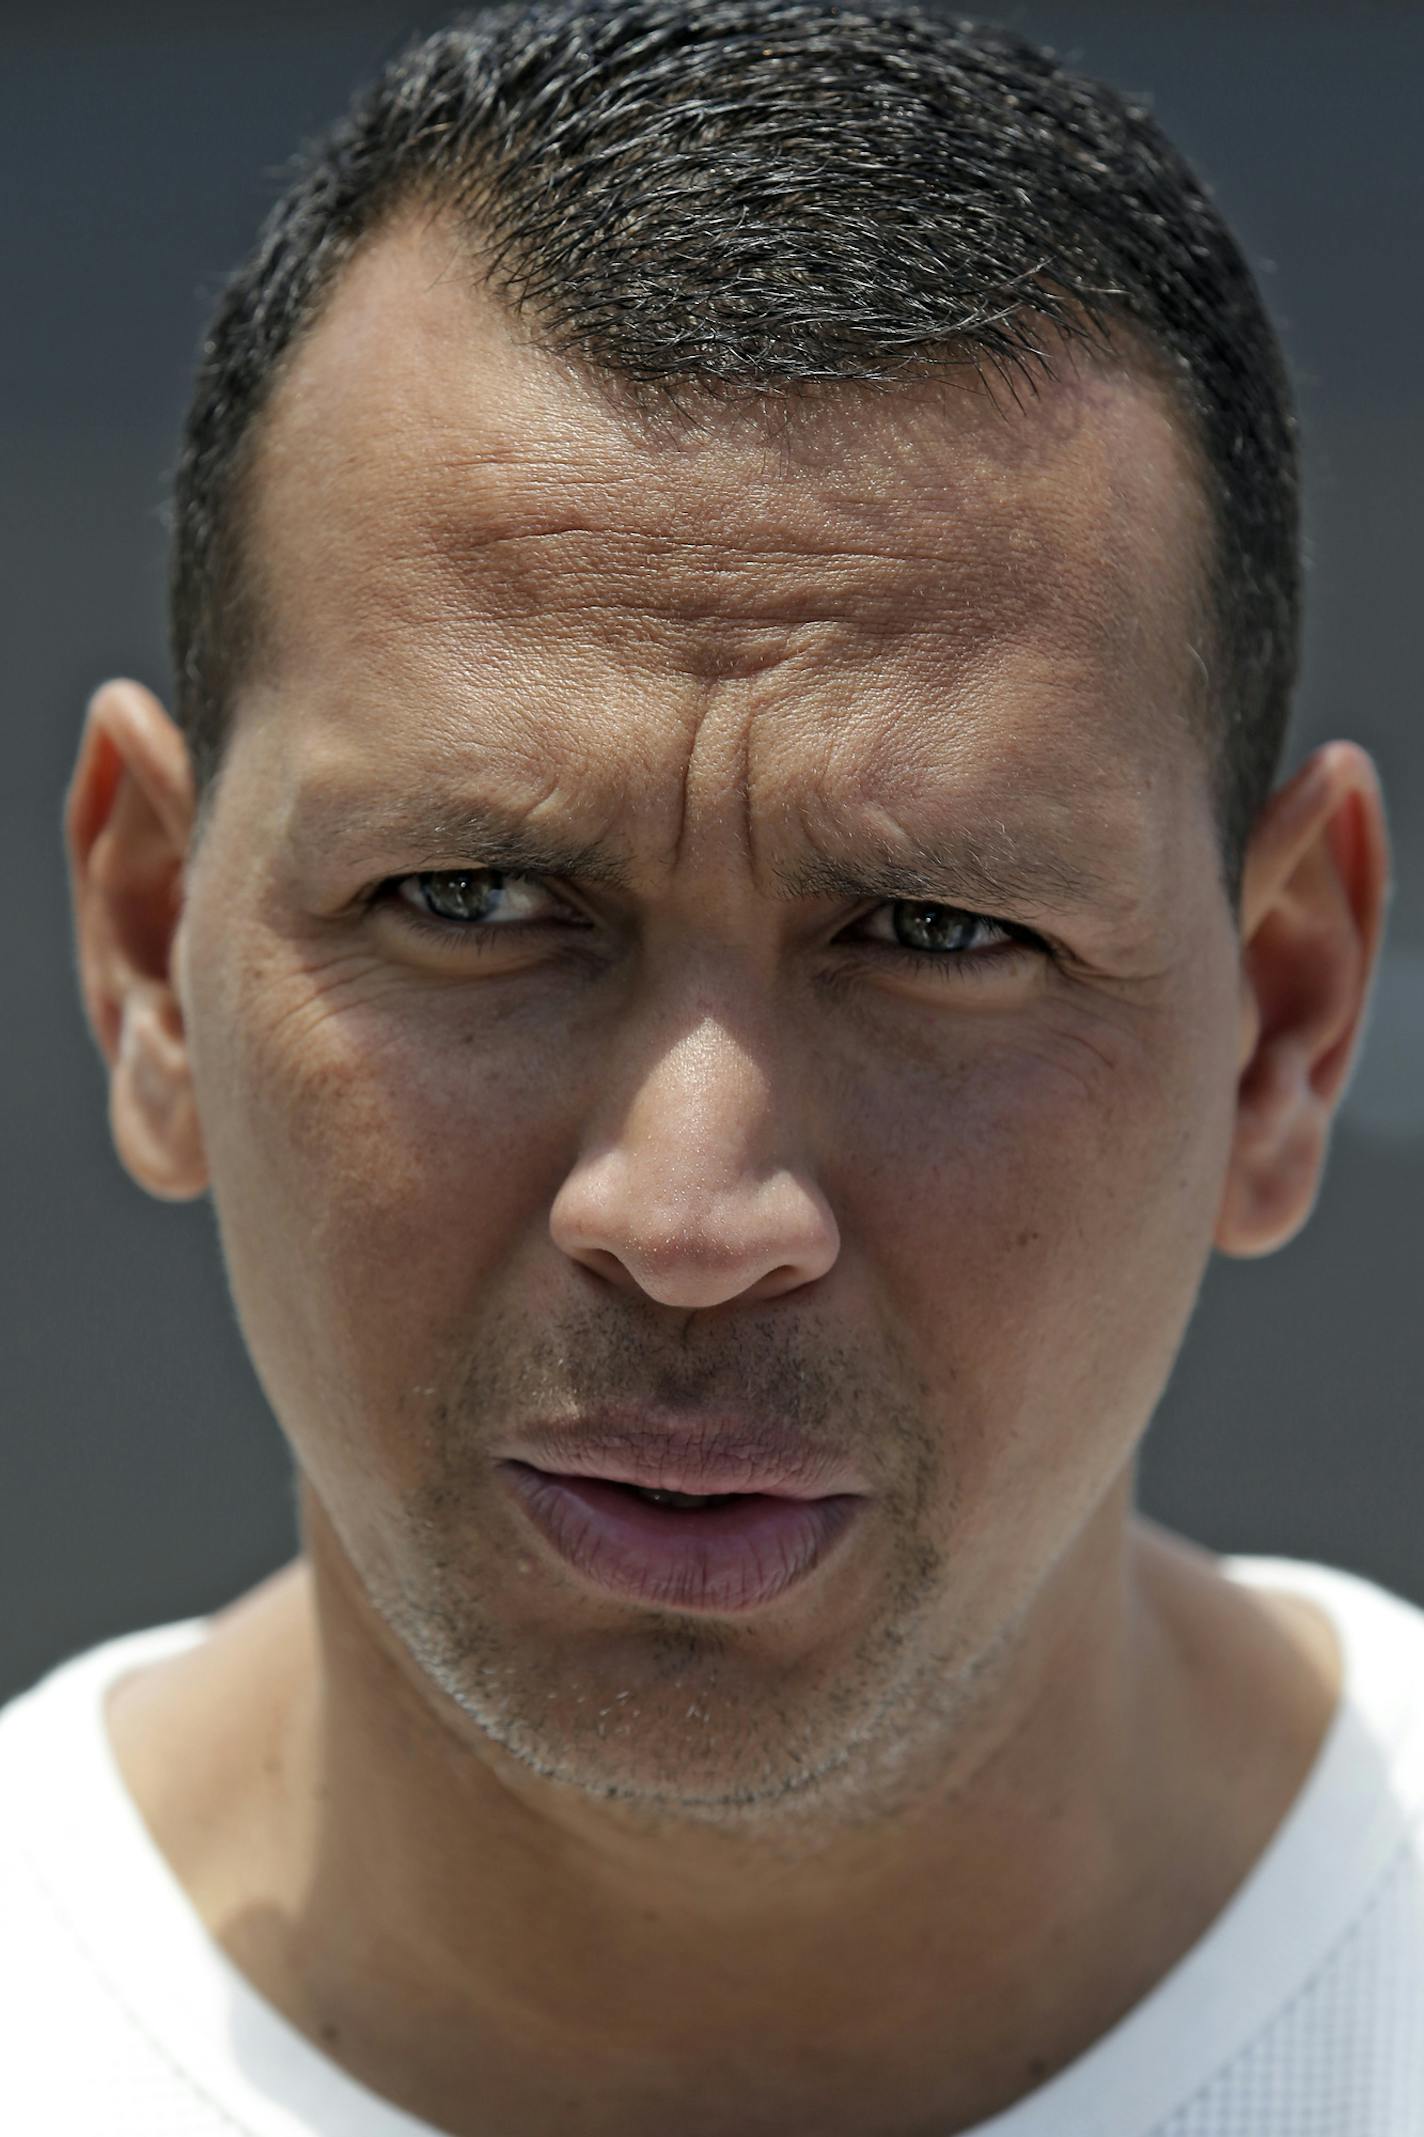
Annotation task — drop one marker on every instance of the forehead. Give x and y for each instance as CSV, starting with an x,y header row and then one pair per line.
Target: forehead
x,y
464,546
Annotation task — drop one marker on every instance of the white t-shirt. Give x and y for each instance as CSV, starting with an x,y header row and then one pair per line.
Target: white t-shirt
x,y
1300,2013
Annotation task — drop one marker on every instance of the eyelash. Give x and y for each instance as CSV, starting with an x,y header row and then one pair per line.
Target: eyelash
x,y
956,967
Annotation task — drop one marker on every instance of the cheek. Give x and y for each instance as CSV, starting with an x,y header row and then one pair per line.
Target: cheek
x,y
1036,1224
375,1157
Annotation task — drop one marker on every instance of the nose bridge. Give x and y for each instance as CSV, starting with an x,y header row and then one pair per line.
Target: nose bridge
x,y
695,1181
701,1103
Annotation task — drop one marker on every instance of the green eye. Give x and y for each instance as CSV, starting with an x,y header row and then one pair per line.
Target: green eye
x,y
927,937
918,925
474,897
459,893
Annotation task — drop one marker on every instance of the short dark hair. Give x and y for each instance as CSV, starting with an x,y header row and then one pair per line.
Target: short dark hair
x,y
758,194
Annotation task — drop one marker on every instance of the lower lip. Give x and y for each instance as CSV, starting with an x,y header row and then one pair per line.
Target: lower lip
x,y
718,1558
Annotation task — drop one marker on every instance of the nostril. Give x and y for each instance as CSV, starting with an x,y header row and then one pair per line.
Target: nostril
x,y
760,1238
785,1278
602,1263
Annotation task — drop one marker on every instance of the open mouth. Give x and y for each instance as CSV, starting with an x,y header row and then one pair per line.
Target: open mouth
x,y
689,1499
688,1510
727,1551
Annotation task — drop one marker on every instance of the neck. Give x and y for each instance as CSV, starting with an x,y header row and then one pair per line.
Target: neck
x,y
456,1928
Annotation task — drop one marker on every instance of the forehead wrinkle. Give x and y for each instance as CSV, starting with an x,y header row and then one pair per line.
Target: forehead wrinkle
x,y
997,545
456,578
416,542
709,605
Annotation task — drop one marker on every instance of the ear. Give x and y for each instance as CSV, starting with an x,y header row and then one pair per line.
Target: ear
x,y
1314,894
128,820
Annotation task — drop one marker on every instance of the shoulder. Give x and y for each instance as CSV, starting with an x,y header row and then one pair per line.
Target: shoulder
x,y
116,1998
75,2059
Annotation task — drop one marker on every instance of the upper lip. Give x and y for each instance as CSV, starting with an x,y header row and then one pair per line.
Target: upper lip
x,y
661,1451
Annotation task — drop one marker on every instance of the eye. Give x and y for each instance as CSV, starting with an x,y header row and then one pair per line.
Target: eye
x,y
915,924
470,898
944,933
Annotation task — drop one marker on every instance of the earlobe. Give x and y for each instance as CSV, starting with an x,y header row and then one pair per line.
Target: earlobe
x,y
1313,905
152,1115
128,820
1278,1155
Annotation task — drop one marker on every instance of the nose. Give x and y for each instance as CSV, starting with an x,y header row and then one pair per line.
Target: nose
x,y
699,1192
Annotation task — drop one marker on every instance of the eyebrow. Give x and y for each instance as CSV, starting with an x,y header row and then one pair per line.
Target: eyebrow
x,y
985,869
479,831
957,866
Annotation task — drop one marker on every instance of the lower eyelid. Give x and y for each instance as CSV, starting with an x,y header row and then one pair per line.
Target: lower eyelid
x,y
1011,951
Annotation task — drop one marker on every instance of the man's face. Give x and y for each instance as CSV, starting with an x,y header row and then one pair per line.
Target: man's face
x,y
738,1122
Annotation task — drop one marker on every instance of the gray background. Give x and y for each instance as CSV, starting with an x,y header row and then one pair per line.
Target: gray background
x,y
142,1477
